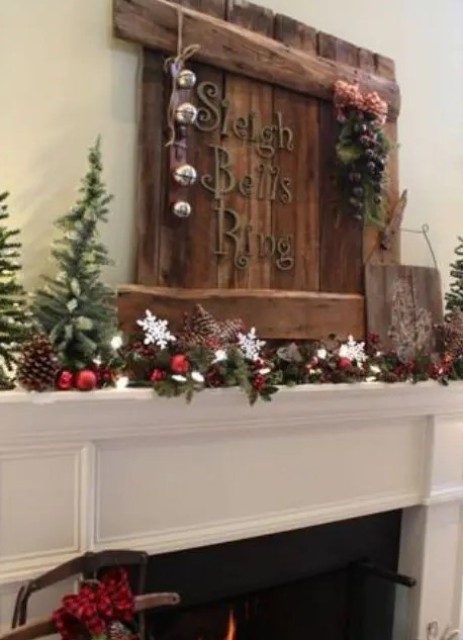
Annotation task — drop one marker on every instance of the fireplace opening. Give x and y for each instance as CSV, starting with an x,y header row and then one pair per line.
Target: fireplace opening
x,y
337,581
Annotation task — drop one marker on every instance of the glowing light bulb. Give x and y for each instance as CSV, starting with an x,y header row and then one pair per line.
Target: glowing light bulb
x,y
122,382
116,343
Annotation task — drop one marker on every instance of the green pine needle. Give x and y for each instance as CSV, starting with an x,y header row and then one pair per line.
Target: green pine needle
x,y
76,309
14,314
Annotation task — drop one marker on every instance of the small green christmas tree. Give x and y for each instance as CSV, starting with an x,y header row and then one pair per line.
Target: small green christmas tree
x,y
14,318
454,298
76,309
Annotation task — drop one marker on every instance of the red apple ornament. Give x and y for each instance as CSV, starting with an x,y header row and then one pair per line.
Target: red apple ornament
x,y
179,364
86,380
344,363
64,381
157,375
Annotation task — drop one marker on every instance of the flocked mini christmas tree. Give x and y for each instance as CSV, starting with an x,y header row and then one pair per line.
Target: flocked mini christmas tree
x,y
454,299
13,309
76,309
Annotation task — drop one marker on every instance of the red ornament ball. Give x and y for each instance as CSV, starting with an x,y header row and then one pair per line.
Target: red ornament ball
x,y
258,382
64,381
344,363
86,380
179,364
157,375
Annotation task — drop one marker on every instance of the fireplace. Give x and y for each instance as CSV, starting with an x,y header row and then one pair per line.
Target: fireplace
x,y
240,506
335,581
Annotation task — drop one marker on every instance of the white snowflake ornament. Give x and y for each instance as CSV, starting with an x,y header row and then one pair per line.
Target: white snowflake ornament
x,y
353,351
156,331
250,345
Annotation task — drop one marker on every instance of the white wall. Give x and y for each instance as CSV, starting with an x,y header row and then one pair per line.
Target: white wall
x,y
63,80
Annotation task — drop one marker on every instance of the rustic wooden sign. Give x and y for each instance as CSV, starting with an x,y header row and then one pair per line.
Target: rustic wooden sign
x,y
268,232
404,305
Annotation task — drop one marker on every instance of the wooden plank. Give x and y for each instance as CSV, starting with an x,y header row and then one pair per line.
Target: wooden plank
x,y
154,24
152,170
403,306
298,219
340,234
386,67
245,97
193,239
295,34
367,62
292,315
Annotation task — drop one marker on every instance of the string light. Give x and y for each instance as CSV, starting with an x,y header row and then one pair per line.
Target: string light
x,y
116,343
122,382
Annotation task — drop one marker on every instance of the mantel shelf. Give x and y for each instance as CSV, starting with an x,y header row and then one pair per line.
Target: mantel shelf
x,y
121,413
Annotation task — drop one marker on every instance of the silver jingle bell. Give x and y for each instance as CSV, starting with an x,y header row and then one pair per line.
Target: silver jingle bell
x,y
185,175
186,79
182,209
186,113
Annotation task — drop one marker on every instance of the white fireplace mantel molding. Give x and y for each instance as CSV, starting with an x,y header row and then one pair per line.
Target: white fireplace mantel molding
x,y
116,469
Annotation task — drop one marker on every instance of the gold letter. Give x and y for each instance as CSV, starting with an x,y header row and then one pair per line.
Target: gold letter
x,y
265,147
240,260
267,245
285,191
284,132
285,261
275,174
208,118
222,168
245,186
240,128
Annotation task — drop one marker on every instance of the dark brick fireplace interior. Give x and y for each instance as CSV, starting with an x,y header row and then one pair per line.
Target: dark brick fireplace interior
x,y
334,582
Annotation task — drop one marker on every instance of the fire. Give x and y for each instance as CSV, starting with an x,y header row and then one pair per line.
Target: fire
x,y
231,627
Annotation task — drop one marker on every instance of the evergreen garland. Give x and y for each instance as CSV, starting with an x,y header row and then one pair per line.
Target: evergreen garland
x,y
76,309
454,298
13,310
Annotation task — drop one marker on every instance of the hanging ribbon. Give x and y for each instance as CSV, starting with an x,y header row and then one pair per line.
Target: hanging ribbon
x,y
98,603
175,64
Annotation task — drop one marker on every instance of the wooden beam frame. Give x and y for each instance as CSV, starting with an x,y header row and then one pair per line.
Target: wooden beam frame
x,y
287,315
154,24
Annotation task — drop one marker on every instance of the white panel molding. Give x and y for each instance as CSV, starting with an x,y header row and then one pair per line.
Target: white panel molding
x,y
239,529
15,568
444,495
87,498
25,569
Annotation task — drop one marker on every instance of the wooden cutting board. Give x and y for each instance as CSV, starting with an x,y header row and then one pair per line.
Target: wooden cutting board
x,y
403,305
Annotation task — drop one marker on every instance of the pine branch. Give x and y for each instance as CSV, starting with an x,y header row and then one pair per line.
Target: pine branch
x,y
14,315
76,309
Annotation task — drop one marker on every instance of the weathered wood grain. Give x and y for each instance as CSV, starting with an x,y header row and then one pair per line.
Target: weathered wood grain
x,y
152,159
403,305
386,67
298,219
288,315
247,96
340,234
194,238
367,62
153,23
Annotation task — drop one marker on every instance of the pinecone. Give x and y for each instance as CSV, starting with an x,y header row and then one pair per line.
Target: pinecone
x,y
119,631
38,364
451,334
201,329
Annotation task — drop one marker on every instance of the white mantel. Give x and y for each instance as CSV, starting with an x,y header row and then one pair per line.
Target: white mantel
x,y
127,469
